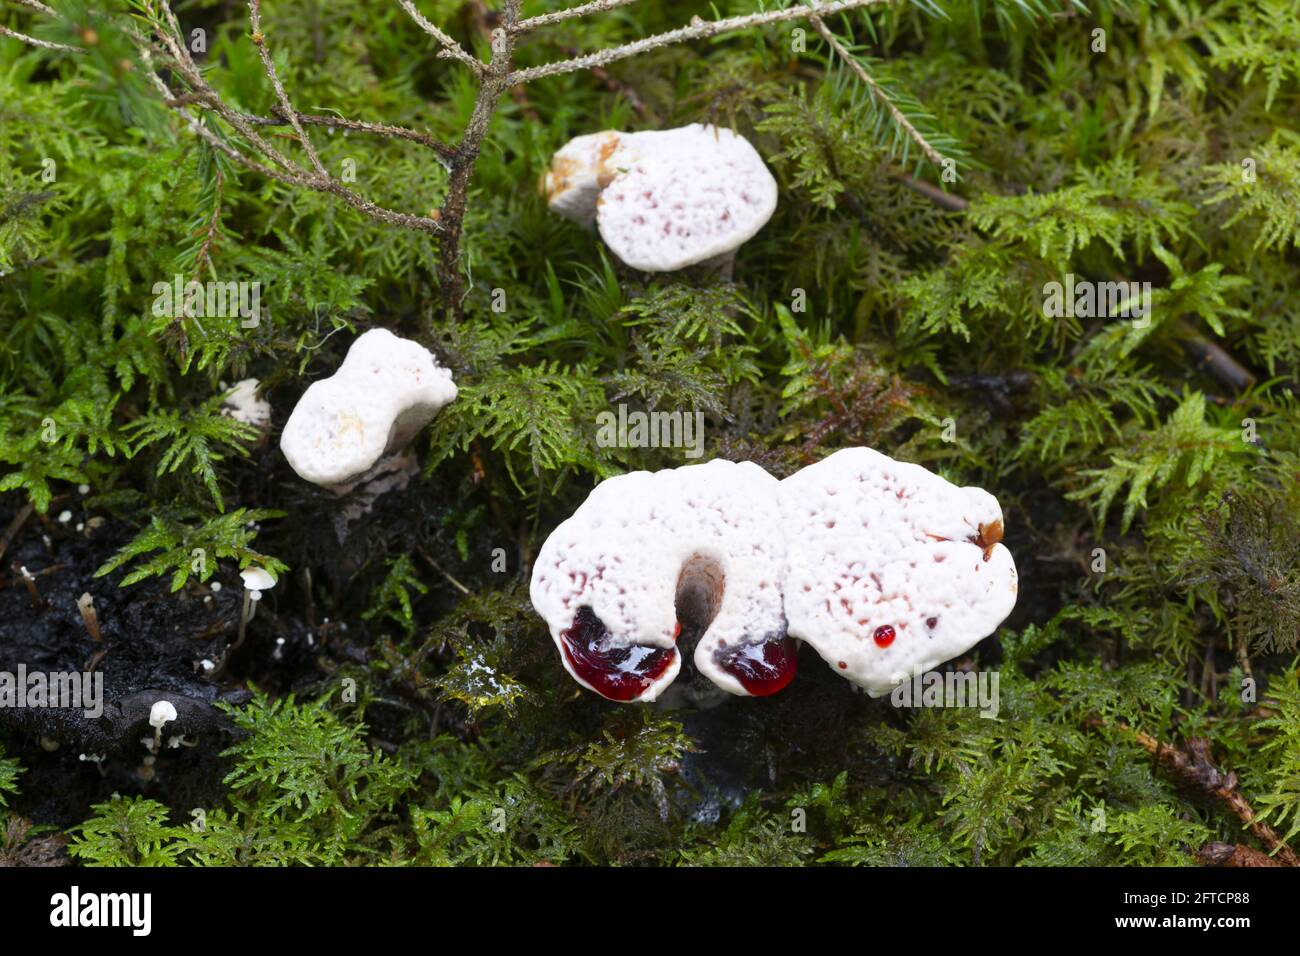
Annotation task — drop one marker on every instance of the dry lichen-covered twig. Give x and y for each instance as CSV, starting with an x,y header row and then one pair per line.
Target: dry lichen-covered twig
x,y
697,30
569,13
450,48
33,41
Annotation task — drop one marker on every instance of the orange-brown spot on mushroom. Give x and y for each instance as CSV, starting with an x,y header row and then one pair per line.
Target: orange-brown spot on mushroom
x,y
990,534
605,175
557,181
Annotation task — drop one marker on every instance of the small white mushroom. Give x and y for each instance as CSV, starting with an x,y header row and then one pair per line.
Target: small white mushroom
x,y
386,390
160,714
650,552
664,200
243,405
891,569
257,579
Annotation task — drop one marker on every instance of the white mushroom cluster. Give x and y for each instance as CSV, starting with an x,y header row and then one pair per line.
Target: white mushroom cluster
x,y
664,200
885,568
386,390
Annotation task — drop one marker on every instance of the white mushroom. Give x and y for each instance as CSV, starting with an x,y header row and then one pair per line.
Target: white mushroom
x,y
650,552
161,713
665,200
884,567
257,579
385,391
890,569
243,405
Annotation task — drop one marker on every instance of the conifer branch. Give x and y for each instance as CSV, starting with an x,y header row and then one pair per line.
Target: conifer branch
x,y
877,93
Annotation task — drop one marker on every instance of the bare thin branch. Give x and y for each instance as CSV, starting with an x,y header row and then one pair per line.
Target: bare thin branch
x,y
450,46
933,193
292,176
880,96
37,5
698,29
43,44
546,19
286,107
179,59
444,152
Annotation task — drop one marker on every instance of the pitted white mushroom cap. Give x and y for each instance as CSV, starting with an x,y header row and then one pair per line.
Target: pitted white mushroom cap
x,y
578,173
683,196
666,199
386,390
610,580
890,569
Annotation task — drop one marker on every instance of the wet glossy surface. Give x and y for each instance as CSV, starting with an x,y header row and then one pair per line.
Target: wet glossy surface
x,y
619,673
762,669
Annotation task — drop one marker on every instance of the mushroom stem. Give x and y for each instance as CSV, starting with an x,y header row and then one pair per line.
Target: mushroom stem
x,y
86,605
245,615
29,580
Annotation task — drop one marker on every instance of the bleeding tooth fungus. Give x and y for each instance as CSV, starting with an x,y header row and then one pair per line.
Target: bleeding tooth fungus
x,y
848,555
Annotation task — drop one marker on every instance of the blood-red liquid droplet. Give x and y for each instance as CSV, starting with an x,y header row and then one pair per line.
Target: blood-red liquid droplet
x,y
762,668
884,635
619,673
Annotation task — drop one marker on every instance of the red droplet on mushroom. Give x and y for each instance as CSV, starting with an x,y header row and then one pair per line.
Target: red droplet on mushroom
x,y
884,635
619,673
764,668
677,630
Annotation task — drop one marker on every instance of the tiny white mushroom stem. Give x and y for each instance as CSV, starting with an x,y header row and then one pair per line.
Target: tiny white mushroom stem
x,y
245,615
86,605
